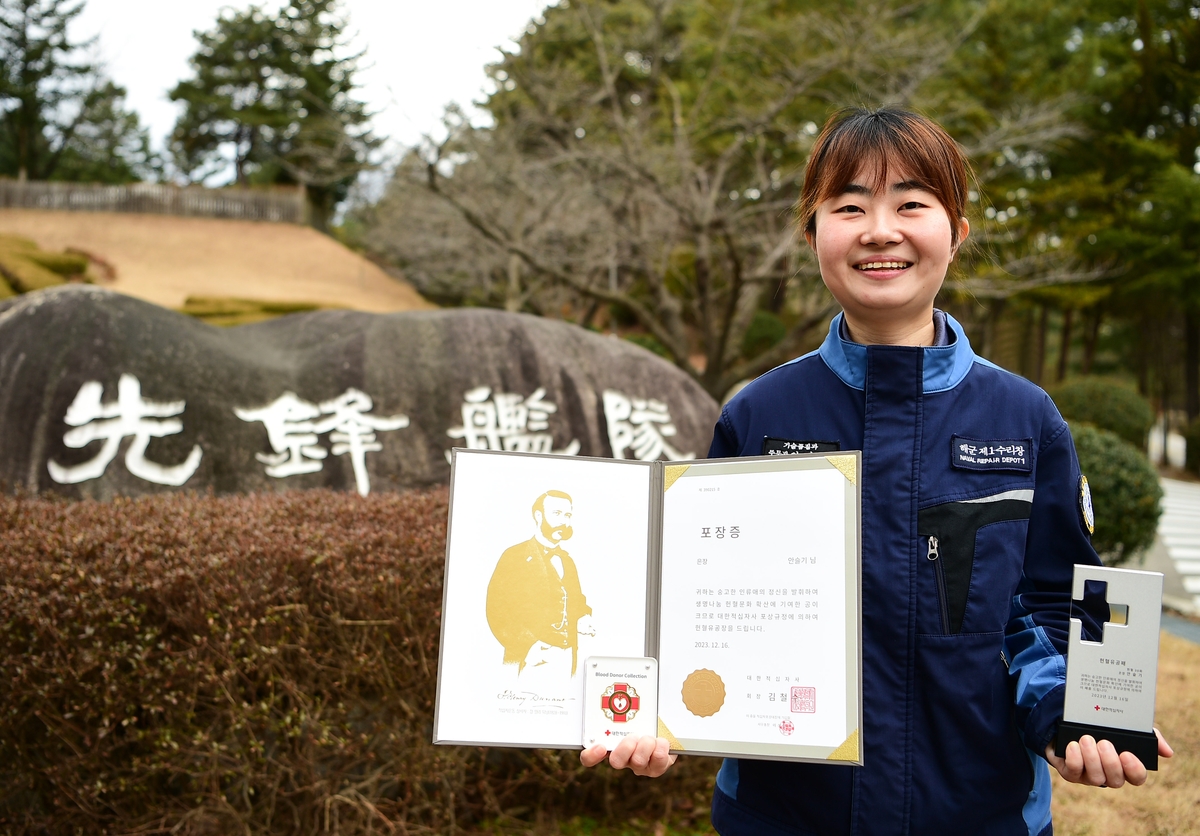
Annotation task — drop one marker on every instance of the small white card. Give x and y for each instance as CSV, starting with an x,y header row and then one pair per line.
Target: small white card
x,y
620,699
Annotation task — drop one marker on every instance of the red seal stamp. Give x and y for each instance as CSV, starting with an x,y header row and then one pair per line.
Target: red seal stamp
x,y
620,702
804,700
786,727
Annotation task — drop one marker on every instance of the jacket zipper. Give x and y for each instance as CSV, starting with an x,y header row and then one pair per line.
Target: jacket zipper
x,y
933,555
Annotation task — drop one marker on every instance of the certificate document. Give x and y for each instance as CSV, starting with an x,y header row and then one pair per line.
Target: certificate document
x,y
739,576
758,617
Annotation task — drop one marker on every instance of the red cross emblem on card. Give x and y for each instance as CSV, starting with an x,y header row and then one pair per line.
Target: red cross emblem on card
x,y
620,702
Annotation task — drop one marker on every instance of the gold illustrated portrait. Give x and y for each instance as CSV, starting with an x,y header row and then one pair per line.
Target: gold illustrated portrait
x,y
535,607
703,692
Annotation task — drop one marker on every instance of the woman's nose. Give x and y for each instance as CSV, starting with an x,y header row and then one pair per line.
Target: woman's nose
x,y
882,228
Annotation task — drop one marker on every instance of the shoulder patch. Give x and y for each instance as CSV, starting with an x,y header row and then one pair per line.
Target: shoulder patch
x,y
1085,505
789,447
992,454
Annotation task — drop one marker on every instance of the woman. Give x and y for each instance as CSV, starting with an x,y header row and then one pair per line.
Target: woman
x,y
968,553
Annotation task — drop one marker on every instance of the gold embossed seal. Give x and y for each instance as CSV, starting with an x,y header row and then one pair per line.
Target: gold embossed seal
x,y
703,692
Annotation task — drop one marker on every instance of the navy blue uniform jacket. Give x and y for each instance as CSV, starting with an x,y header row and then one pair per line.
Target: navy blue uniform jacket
x,y
971,526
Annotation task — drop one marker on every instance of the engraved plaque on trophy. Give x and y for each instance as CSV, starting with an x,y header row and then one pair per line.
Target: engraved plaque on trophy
x,y
1112,660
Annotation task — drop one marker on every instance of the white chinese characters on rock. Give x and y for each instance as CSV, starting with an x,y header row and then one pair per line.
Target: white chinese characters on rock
x,y
641,427
507,421
294,426
129,415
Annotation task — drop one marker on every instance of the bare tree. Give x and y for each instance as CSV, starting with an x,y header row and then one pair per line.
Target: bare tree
x,y
646,155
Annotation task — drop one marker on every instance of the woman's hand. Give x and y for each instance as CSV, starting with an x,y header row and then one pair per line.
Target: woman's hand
x,y
648,756
1099,765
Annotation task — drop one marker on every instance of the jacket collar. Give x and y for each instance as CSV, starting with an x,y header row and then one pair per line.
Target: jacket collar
x,y
944,366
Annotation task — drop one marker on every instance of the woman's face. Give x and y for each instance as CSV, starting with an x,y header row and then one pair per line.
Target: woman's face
x,y
884,254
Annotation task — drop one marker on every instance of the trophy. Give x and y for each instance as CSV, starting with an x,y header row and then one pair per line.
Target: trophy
x,y
1110,681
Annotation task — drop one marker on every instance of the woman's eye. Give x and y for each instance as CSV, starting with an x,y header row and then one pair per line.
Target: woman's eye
x,y
913,204
849,209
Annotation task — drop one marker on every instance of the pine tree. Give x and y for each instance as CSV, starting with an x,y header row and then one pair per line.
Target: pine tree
x,y
60,118
272,94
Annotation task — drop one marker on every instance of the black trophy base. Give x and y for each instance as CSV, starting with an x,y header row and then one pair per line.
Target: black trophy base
x,y
1142,744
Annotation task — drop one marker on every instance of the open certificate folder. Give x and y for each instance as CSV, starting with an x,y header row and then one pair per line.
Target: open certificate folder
x,y
739,576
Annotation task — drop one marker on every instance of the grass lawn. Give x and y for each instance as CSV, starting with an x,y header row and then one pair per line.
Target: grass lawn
x,y
1169,802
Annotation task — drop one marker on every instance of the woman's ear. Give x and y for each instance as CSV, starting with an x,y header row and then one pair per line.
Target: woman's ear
x,y
811,237
964,229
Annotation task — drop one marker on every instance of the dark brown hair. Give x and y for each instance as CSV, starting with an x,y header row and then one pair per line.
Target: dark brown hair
x,y
884,138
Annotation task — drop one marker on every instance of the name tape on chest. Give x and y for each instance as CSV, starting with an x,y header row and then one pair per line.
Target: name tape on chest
x,y
992,454
791,447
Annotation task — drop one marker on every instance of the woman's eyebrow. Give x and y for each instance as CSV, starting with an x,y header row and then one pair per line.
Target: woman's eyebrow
x,y
902,186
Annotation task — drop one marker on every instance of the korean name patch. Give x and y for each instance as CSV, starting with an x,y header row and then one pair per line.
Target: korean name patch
x,y
992,454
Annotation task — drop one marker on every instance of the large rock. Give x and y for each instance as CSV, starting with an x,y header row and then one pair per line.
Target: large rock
x,y
104,395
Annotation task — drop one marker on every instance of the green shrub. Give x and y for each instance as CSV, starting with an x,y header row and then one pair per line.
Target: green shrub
x,y
765,331
267,664
1108,405
1125,493
650,343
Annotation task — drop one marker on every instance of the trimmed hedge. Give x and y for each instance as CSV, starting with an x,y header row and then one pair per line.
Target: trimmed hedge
x,y
24,268
1107,404
24,275
1126,495
64,264
196,665
229,311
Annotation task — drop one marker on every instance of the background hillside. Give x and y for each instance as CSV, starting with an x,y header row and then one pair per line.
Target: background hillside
x,y
164,259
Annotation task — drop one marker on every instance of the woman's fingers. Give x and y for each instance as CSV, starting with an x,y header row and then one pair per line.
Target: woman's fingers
x,y
648,756
593,755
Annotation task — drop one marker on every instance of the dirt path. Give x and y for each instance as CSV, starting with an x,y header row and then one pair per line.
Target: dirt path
x,y
165,259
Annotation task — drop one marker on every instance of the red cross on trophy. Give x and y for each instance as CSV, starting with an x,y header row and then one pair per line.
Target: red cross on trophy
x,y
620,702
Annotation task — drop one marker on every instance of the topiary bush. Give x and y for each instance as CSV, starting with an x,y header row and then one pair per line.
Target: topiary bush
x,y
1125,493
24,268
257,664
1108,405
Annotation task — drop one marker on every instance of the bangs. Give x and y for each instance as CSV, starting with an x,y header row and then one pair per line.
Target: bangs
x,y
848,163
858,143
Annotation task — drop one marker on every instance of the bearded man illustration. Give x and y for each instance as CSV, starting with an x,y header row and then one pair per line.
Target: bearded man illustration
x,y
534,603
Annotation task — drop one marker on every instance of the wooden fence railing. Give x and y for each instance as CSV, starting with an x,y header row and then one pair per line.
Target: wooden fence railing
x,y
280,205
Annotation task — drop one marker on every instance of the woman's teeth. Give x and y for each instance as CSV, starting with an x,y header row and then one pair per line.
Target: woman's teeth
x,y
882,265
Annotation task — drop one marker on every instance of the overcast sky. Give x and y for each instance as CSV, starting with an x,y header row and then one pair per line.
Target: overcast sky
x,y
420,54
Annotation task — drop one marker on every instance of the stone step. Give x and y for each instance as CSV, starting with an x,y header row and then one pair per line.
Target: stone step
x,y
1180,540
